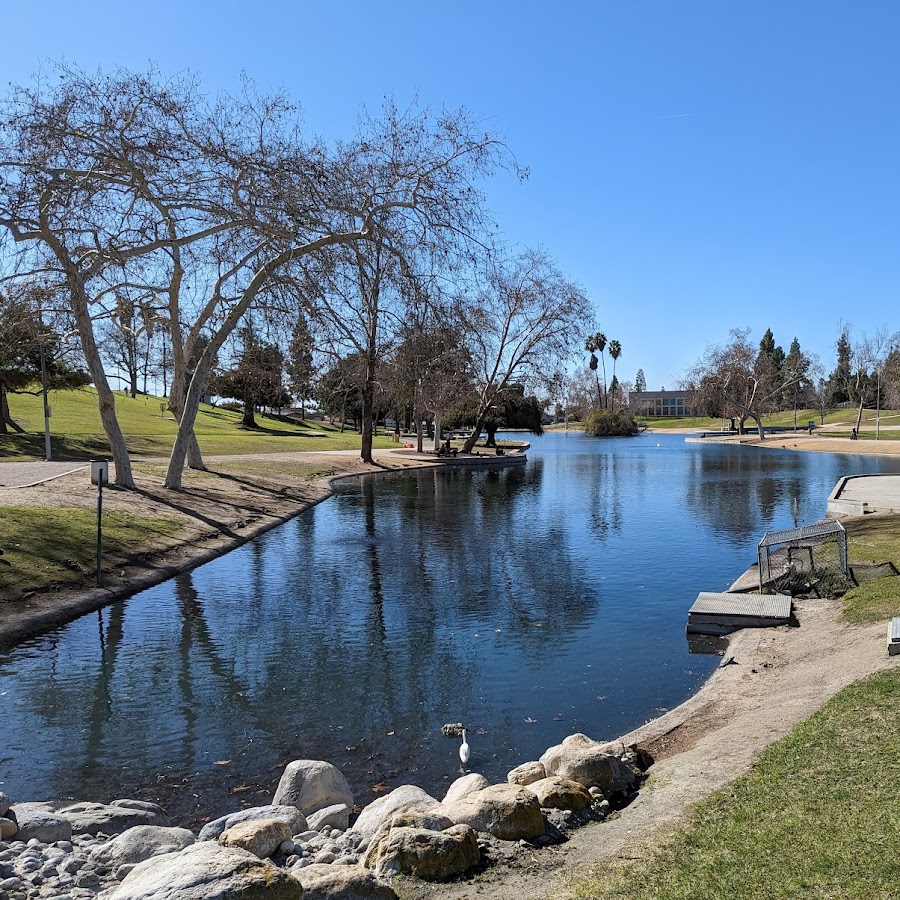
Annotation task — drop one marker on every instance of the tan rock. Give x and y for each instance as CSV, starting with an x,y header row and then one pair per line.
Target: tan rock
x,y
7,828
526,773
560,793
430,855
325,882
261,838
466,785
587,764
507,811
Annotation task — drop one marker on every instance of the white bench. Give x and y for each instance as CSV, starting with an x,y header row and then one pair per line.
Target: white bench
x,y
894,637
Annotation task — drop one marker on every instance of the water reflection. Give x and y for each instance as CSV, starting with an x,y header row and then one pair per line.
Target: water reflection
x,y
529,602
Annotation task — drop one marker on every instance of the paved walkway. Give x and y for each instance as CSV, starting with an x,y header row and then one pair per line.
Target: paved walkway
x,y
26,474
857,494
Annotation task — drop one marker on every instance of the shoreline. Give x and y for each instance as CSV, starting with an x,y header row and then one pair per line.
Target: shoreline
x,y
206,535
779,677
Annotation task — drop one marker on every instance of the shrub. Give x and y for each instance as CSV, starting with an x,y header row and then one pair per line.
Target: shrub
x,y
606,423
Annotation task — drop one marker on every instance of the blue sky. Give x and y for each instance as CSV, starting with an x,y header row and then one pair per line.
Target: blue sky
x,y
696,166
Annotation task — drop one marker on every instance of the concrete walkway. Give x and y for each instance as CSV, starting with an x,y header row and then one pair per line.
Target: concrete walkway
x,y
27,474
854,495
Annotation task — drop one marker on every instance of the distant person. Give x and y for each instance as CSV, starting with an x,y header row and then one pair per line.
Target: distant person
x,y
733,426
852,434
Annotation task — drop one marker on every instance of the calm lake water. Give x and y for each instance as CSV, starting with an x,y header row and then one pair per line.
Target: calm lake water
x,y
528,603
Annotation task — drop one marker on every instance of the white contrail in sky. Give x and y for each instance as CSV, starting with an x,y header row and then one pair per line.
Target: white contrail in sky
x,y
676,116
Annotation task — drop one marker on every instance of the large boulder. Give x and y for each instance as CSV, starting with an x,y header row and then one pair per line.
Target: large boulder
x,y
311,785
8,828
337,816
580,759
324,882
430,855
560,793
261,837
405,798
290,815
39,821
465,785
506,811
207,871
139,843
5,803
112,818
526,773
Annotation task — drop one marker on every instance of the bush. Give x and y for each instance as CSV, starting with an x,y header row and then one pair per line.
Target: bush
x,y
605,423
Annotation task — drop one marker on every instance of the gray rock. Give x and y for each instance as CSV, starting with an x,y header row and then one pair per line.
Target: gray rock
x,y
261,837
507,811
585,761
526,774
140,843
311,785
7,828
402,799
36,821
292,816
207,871
5,803
324,856
111,818
341,883
430,855
465,785
335,816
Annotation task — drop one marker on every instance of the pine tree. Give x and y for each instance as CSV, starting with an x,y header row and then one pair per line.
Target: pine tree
x,y
640,381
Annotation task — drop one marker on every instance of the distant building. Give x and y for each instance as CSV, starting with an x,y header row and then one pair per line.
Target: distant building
x,y
660,403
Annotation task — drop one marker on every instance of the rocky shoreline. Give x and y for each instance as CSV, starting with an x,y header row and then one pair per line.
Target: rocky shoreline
x,y
308,842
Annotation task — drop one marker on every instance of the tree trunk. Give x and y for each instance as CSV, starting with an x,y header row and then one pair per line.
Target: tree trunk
x,y
437,431
176,405
859,415
368,391
420,433
5,418
248,420
491,436
105,396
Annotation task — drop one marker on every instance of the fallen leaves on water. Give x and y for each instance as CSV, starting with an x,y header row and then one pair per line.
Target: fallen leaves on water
x,y
481,731
557,717
601,696
241,788
380,788
222,762
531,721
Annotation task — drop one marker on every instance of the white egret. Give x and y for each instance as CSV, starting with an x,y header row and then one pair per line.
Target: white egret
x,y
464,748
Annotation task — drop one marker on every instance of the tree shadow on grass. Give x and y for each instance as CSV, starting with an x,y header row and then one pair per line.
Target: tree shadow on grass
x,y
31,446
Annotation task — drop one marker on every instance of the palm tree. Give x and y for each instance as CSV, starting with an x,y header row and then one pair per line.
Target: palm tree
x,y
597,342
615,351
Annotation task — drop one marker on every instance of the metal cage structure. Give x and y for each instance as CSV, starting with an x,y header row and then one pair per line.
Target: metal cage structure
x,y
809,548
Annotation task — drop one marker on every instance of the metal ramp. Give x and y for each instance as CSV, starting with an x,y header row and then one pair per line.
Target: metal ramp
x,y
894,637
722,613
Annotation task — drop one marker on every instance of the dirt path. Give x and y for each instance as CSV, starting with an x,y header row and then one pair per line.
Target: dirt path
x,y
780,677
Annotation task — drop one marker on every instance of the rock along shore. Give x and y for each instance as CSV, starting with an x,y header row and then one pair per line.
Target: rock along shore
x,y
309,840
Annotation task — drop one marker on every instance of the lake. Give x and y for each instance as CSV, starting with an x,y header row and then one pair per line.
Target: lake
x,y
528,603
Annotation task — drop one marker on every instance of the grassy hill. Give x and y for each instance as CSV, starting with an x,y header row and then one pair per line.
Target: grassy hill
x,y
76,432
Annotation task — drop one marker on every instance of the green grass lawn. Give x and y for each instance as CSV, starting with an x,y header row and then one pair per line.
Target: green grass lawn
x,y
817,816
42,545
76,432
785,419
873,539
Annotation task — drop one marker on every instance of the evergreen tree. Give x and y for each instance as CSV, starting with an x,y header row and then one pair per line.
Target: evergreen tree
x,y
300,367
839,383
256,380
640,381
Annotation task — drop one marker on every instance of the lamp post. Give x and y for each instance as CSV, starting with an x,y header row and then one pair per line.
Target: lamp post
x,y
99,476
